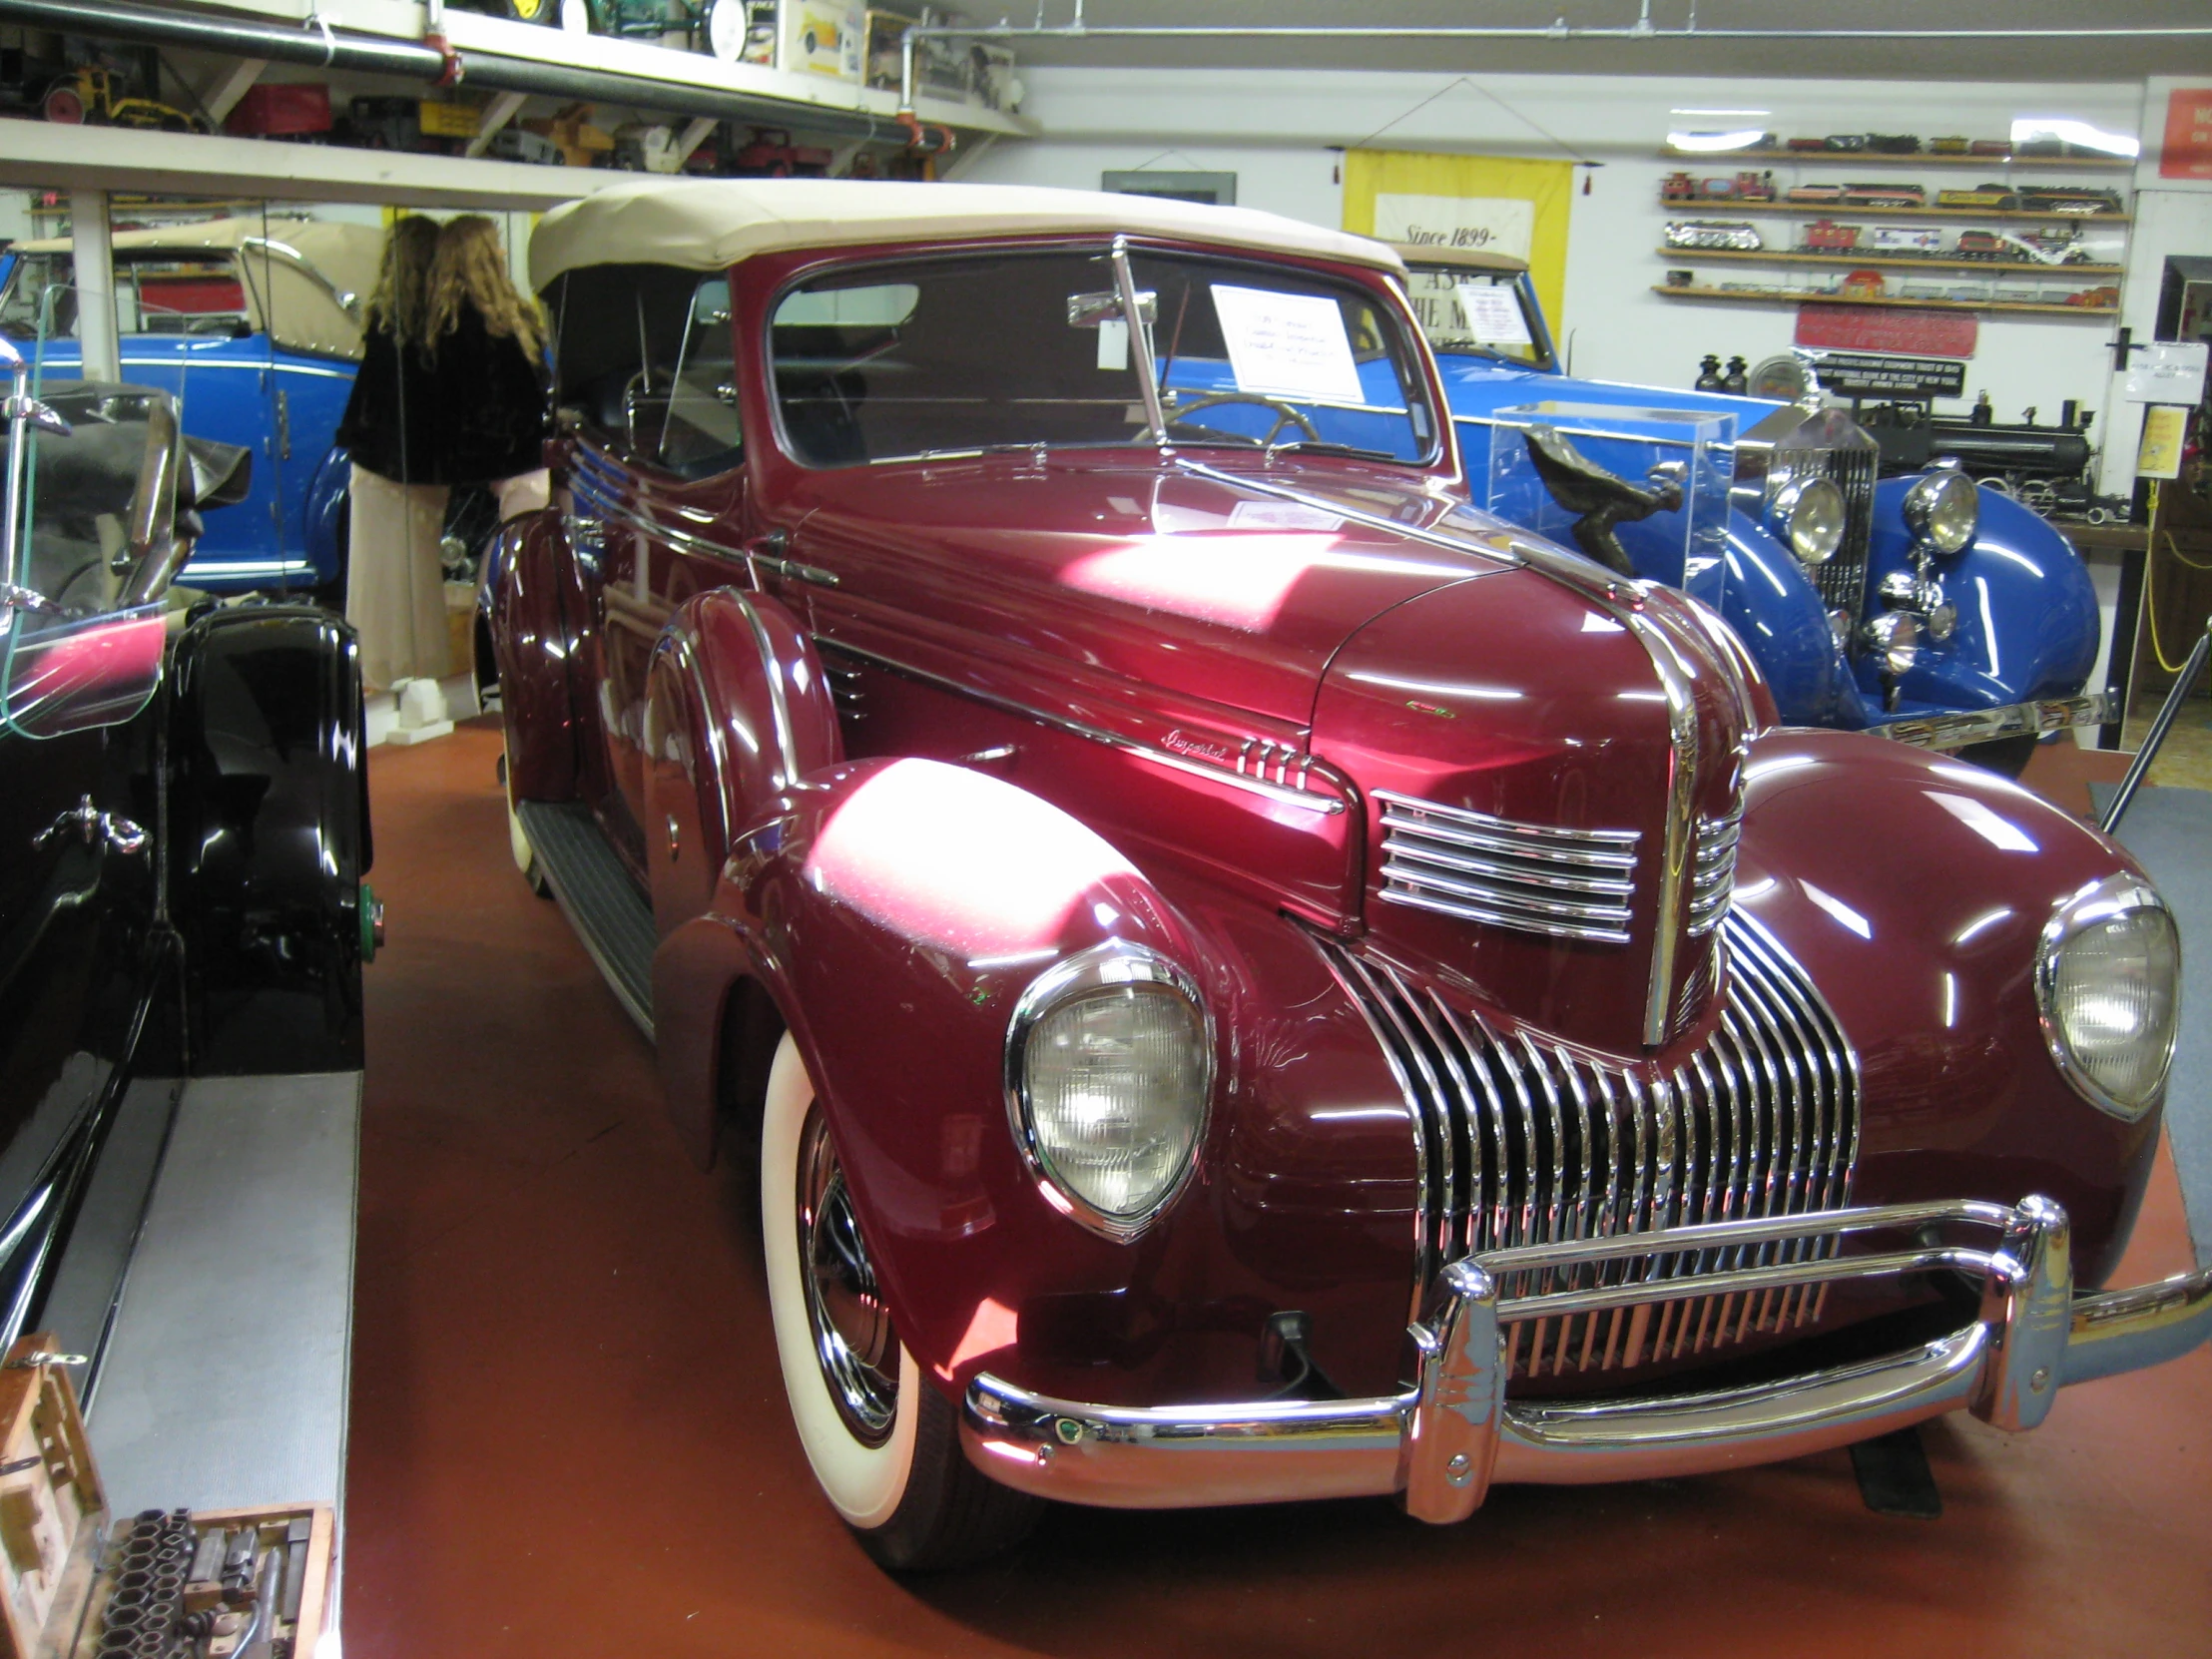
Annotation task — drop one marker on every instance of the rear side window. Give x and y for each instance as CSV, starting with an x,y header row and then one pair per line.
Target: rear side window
x,y
642,356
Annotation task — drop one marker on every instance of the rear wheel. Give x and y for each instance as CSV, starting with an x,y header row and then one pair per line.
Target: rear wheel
x,y
883,1442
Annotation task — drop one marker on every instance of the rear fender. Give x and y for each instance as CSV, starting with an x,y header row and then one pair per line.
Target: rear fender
x,y
893,911
534,606
327,503
737,712
268,829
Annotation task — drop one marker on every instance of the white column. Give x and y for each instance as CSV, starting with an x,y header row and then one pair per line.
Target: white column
x,y
93,251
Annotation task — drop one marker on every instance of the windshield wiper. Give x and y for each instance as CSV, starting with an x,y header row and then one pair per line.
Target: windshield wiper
x,y
1323,447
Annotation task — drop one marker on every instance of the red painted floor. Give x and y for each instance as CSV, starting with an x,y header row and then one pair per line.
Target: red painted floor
x,y
569,1436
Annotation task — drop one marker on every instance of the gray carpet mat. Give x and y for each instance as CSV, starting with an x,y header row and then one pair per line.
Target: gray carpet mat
x,y
2170,831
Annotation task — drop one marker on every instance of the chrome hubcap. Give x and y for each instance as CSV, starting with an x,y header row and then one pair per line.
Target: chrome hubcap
x,y
853,1341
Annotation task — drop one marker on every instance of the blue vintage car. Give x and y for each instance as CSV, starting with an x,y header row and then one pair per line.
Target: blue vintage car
x,y
1924,607
252,325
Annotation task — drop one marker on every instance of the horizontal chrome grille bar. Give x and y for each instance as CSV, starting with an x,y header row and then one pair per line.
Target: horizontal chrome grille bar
x,y
1575,885
1713,872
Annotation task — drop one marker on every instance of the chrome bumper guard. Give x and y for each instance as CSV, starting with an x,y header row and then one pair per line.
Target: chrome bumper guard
x,y
1446,1439
2015,719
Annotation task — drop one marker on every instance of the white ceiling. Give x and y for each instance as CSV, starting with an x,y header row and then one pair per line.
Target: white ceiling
x,y
2007,53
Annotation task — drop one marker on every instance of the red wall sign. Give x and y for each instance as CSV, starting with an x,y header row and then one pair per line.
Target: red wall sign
x,y
1887,329
2187,152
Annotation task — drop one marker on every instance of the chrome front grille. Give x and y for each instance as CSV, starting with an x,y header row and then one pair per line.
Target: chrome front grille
x,y
1523,1141
1842,581
1713,871
1566,884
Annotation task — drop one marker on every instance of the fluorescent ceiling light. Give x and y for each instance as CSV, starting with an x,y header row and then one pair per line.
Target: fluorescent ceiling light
x,y
1711,113
2042,128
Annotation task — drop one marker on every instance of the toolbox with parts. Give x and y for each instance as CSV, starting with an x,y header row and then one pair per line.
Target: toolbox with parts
x,y
165,1584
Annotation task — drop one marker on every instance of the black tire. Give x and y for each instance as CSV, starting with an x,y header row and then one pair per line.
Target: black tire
x,y
2006,757
882,1440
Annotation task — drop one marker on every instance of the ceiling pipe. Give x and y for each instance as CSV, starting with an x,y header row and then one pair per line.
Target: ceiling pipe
x,y
1643,29
329,48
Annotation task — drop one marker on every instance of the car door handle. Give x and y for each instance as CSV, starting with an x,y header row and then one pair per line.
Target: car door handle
x,y
284,425
93,827
772,547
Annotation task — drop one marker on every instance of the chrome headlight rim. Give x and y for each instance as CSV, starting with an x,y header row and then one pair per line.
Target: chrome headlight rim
x,y
1790,504
1925,512
1102,967
2098,902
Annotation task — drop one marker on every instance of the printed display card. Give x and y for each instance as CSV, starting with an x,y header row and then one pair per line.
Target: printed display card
x,y
1288,344
1493,314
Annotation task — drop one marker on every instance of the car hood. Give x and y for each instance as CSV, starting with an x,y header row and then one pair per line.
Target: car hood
x,y
1476,386
1190,581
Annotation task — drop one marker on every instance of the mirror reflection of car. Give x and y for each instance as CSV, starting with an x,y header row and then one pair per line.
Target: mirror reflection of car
x,y
183,829
1014,697
252,325
1924,607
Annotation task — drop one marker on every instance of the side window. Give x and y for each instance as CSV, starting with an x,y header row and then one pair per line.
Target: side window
x,y
182,294
40,301
699,435
622,334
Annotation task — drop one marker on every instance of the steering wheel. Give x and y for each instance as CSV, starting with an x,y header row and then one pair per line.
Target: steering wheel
x,y
1285,415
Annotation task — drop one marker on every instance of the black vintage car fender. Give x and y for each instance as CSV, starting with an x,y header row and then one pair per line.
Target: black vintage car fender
x,y
270,839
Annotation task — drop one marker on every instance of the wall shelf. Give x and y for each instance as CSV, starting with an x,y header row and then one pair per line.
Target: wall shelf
x,y
1784,297
1841,209
1885,158
1884,261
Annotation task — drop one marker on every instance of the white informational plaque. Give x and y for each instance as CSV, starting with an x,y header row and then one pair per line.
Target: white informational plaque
x,y
1288,344
1493,314
2167,372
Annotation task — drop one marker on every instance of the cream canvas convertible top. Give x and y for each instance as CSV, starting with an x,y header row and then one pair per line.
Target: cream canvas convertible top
x,y
712,224
297,285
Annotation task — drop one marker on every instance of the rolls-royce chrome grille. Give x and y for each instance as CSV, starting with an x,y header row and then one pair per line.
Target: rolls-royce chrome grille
x,y
1523,1141
1568,884
1841,580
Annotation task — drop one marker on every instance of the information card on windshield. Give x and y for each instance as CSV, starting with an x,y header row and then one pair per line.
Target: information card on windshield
x,y
1288,344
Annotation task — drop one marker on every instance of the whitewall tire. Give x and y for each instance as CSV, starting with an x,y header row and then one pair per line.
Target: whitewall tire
x,y
882,1440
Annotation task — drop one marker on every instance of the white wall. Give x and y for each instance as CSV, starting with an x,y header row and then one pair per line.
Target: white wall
x,y
1274,130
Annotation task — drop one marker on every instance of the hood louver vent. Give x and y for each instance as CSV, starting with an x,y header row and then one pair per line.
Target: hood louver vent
x,y
1566,884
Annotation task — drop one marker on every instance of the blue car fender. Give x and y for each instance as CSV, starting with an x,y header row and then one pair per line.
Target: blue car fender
x,y
328,498
1774,607
2029,623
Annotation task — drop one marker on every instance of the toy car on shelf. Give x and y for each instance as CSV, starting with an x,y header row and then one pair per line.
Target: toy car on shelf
x,y
1250,978
1988,198
2069,199
262,316
1815,193
1864,610
1678,187
1825,235
183,829
1904,239
91,94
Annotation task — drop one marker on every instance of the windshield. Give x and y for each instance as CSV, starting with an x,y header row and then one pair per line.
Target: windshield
x,y
1485,311
155,293
991,351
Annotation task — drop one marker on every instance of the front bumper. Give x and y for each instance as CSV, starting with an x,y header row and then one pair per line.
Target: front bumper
x,y
1447,1439
2015,719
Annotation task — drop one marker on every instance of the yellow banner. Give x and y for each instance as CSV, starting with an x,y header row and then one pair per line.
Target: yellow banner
x,y
1505,204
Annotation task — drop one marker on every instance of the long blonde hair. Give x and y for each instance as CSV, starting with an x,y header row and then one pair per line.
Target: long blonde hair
x,y
402,283
470,271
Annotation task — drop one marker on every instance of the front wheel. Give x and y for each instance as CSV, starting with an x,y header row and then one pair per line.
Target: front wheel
x,y
883,1442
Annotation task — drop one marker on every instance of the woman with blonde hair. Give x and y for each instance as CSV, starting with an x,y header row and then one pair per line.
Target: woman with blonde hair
x,y
487,339
394,594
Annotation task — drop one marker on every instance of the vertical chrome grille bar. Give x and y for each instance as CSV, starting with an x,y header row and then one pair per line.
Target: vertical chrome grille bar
x,y
1521,1141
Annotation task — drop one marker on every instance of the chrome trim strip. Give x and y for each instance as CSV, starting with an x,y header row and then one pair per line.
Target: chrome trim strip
x,y
1455,1431
1287,795
2013,720
1679,825
590,492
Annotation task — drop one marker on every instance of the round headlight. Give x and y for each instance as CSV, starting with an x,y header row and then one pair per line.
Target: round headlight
x,y
1110,1063
1944,509
1896,638
1810,513
2108,989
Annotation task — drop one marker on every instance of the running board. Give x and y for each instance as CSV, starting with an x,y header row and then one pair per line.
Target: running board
x,y
599,897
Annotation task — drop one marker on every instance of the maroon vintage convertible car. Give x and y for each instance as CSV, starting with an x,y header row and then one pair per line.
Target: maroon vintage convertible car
x,y
1248,978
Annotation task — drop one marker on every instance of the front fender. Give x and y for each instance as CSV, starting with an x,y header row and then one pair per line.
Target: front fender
x,y
324,517
1928,962
1778,613
893,911
2029,623
270,833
